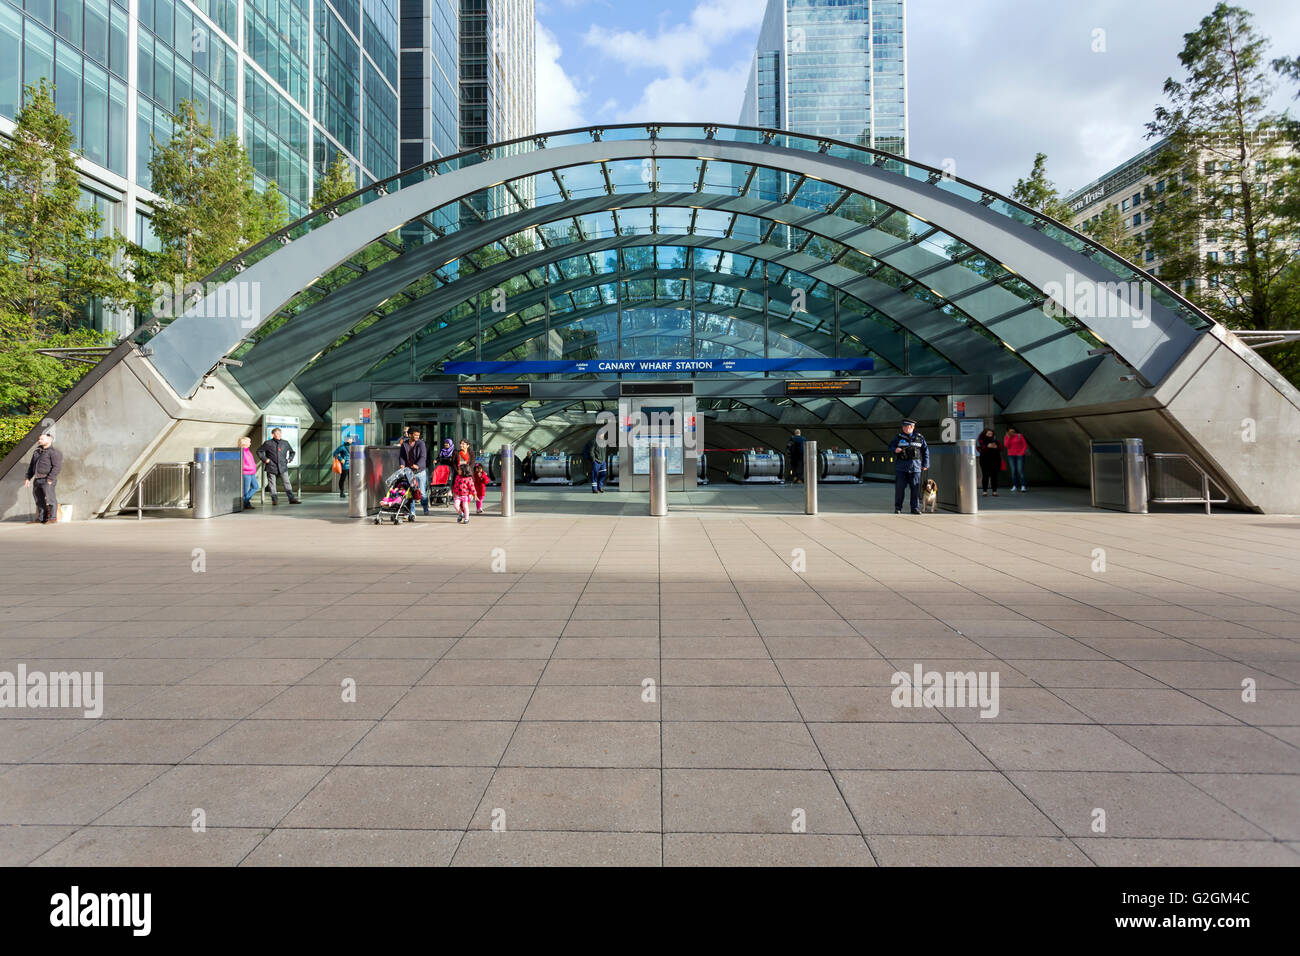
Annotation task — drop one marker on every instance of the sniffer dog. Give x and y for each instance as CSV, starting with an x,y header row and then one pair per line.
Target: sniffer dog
x,y
929,496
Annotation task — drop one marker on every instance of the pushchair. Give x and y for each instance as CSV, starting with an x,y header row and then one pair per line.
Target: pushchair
x,y
400,500
440,489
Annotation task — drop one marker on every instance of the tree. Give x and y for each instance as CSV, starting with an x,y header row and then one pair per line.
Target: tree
x,y
1222,219
53,261
211,210
1039,193
1109,230
339,181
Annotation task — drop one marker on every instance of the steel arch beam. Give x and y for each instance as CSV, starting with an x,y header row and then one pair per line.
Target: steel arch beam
x,y
194,343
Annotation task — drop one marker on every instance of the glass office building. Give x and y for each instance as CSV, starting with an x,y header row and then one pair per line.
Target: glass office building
x,y
832,68
311,79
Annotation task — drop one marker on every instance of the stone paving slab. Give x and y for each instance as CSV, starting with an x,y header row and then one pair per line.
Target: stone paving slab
x,y
633,691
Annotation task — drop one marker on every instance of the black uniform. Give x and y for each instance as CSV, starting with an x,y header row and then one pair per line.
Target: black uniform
x,y
43,470
277,453
911,457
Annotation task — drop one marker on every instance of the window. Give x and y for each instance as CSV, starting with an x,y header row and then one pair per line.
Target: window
x,y
1160,187
1137,219
1211,236
1231,301
1211,257
1137,199
1151,255
1230,256
1148,216
1123,207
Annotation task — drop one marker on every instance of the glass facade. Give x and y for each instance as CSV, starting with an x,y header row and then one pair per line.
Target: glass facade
x,y
835,68
310,91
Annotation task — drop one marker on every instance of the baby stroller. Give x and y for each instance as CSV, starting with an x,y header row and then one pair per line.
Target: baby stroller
x,y
399,502
440,489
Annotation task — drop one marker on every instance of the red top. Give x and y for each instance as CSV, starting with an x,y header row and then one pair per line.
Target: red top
x,y
1015,444
463,487
481,481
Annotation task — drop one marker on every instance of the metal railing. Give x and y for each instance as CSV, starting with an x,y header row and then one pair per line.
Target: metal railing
x,y
164,487
1175,478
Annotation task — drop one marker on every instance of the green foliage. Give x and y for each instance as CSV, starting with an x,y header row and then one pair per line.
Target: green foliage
x,y
339,181
1039,193
211,209
53,262
13,428
1227,178
1109,230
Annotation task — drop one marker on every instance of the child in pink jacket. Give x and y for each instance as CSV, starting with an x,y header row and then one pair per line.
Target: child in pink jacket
x,y
462,492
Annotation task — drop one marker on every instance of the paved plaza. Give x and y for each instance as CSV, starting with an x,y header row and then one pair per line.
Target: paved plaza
x,y
583,684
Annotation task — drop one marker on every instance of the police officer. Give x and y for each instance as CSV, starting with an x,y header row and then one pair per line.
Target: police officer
x,y
911,457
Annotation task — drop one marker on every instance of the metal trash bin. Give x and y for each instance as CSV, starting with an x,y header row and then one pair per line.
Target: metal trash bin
x,y
1118,473
217,482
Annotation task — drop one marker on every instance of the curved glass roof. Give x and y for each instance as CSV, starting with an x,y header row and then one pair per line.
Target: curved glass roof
x,y
761,223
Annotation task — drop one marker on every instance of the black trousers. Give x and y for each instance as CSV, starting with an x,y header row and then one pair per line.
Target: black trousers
x,y
903,480
343,484
991,472
47,505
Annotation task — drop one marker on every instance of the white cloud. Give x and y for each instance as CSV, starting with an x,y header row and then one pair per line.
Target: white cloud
x,y
559,99
712,95
677,47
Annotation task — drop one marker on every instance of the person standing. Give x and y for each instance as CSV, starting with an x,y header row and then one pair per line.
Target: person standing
x,y
343,455
42,474
463,493
794,456
911,458
415,456
1014,444
276,454
248,465
481,482
596,454
990,450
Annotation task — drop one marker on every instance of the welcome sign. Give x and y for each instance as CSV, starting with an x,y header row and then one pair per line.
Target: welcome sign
x,y
672,366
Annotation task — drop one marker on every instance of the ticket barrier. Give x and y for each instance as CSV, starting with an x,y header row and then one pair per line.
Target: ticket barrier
x,y
493,465
757,467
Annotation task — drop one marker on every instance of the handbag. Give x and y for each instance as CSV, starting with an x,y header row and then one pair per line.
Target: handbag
x,y
336,467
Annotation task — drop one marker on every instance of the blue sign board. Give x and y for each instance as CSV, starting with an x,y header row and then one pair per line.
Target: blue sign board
x,y
672,366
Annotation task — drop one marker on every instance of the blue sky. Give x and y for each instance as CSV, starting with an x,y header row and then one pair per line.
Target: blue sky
x,y
991,82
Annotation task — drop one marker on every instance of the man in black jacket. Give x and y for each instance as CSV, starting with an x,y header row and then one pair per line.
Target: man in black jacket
x,y
415,456
42,473
276,453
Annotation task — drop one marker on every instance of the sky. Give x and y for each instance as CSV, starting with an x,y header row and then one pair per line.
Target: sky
x,y
990,82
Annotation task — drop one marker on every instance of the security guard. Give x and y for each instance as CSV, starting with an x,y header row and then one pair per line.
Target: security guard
x,y
911,457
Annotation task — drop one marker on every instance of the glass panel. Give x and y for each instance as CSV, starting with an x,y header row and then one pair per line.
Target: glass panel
x,y
42,10
67,93
117,43
38,56
95,120
117,129
11,58
67,20
96,43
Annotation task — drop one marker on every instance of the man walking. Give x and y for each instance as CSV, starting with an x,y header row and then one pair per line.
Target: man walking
x,y
794,456
911,457
276,454
415,456
343,455
596,453
42,473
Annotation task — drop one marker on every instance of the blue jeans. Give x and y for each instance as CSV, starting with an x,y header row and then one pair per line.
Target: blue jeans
x,y
422,480
1017,465
598,475
250,486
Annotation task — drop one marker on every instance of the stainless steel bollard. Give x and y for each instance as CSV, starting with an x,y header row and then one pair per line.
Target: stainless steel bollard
x,y
810,477
1135,478
507,481
968,480
658,481
357,503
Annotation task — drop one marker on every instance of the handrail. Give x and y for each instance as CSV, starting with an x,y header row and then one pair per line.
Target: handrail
x,y
1206,481
137,490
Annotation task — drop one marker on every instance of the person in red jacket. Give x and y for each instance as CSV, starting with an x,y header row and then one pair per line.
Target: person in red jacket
x,y
1014,444
481,481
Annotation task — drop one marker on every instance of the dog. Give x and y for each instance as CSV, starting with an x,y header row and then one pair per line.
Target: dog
x,y
929,496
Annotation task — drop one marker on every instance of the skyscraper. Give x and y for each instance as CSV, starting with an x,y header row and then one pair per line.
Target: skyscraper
x,y
496,71
832,68
430,80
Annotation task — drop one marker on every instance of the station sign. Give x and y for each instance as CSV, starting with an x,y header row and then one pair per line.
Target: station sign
x,y
673,366
481,390
806,387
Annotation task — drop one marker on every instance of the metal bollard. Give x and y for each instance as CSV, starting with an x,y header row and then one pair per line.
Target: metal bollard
x,y
357,503
810,477
507,481
967,474
658,481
